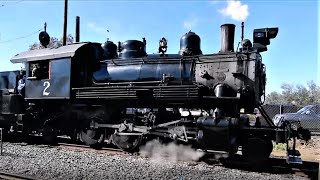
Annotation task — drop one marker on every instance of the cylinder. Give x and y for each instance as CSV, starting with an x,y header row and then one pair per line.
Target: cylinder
x,y
224,109
77,29
227,38
223,90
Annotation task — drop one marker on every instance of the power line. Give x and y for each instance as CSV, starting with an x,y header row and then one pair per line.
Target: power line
x,y
22,37
16,2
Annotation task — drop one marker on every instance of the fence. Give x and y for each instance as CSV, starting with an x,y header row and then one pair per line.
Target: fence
x,y
273,109
309,120
1,142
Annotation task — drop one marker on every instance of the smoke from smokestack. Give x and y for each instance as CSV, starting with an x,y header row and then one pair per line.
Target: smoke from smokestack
x,y
235,10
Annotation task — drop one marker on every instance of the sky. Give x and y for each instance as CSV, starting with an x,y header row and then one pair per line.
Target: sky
x,y
292,57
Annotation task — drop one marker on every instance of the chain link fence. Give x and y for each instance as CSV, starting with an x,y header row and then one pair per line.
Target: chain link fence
x,y
1,141
309,116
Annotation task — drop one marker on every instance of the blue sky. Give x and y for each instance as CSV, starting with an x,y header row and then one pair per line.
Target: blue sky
x,y
293,56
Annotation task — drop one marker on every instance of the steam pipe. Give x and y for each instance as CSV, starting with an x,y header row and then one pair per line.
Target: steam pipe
x,y
227,38
77,29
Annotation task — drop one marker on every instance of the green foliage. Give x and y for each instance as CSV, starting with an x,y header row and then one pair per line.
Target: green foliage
x,y
279,146
54,43
297,95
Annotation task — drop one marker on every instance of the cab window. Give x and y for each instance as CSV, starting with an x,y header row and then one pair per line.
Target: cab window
x,y
39,70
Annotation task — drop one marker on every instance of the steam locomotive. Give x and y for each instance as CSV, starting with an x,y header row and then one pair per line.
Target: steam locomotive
x,y
108,93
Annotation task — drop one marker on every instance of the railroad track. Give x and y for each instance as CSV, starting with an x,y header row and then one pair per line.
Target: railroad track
x,y
276,165
11,176
81,147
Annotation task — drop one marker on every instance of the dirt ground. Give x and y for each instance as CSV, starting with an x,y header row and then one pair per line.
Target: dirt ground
x,y
309,151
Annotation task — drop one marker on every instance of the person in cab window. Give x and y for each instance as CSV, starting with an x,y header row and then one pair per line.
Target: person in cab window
x,y
35,71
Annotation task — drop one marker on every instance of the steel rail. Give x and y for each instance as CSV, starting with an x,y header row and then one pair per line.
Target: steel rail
x,y
90,148
14,176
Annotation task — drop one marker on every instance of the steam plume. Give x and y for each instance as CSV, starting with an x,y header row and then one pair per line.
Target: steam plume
x,y
172,152
235,10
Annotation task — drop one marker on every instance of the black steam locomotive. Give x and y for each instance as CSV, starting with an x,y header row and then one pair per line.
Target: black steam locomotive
x,y
120,94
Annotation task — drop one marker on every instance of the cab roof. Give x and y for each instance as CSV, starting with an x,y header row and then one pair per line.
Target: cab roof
x,y
49,53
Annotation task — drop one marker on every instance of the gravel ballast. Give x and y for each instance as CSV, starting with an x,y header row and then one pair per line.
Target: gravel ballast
x,y
46,162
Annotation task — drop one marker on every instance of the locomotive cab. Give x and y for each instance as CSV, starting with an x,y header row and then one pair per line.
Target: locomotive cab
x,y
50,73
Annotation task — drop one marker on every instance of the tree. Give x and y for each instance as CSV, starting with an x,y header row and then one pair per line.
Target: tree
x,y
298,95
54,43
274,98
287,92
314,92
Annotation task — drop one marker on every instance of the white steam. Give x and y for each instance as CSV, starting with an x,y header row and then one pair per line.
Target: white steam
x,y
191,23
235,10
171,152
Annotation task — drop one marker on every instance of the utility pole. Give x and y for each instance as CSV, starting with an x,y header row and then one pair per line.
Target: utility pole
x,y
77,29
65,22
242,31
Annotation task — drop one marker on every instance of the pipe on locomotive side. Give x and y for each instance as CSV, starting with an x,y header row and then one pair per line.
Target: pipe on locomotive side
x,y
227,38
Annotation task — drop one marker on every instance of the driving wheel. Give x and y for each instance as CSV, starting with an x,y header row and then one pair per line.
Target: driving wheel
x,y
129,143
92,137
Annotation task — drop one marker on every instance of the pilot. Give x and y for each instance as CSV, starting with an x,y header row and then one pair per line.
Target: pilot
x,y
21,86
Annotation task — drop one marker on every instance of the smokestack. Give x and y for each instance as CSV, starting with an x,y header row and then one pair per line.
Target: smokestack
x,y
227,38
77,29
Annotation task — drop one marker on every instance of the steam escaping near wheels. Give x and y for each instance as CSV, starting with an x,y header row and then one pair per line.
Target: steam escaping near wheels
x,y
159,152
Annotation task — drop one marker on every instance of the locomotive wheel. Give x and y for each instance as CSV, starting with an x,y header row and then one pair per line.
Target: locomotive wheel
x,y
49,134
256,151
93,138
129,143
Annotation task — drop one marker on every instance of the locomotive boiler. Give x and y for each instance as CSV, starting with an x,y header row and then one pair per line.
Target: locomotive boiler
x,y
120,94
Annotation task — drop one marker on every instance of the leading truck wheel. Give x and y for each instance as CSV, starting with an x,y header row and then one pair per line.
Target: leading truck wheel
x,y
93,138
256,152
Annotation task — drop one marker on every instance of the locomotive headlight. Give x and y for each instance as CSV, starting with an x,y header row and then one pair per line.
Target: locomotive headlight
x,y
272,32
259,35
264,35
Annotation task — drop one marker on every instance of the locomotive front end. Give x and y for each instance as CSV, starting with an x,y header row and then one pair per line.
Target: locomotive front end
x,y
236,80
235,74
